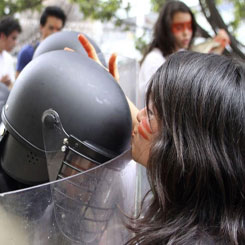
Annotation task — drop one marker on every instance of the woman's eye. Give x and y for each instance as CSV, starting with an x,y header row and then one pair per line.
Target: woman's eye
x,y
189,27
177,27
150,114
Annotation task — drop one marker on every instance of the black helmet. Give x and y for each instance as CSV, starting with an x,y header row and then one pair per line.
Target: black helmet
x,y
69,39
86,98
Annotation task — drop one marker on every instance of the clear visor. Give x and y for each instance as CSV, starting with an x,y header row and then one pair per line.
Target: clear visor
x,y
87,208
66,155
88,204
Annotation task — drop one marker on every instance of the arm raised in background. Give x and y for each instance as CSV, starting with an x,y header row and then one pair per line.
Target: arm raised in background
x,y
214,45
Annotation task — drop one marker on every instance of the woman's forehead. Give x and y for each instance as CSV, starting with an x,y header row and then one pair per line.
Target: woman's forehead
x,y
181,17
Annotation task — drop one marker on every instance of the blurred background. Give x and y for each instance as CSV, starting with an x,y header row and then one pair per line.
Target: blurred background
x,y
125,26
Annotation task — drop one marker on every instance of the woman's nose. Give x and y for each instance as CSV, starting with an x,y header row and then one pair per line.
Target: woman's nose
x,y
187,31
141,114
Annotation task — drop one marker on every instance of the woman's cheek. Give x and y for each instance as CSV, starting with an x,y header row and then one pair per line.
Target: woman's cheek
x,y
142,139
140,148
142,132
144,129
146,125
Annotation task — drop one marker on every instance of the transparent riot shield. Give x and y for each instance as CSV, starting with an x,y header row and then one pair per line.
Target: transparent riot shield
x,y
128,69
88,204
91,199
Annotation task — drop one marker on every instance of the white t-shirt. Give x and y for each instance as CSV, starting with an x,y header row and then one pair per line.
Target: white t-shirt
x,y
151,63
7,65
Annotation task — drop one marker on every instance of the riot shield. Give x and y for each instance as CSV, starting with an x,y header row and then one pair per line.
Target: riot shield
x,y
89,202
128,69
87,205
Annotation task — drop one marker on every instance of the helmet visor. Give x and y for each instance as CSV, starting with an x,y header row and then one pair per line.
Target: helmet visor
x,y
66,155
90,201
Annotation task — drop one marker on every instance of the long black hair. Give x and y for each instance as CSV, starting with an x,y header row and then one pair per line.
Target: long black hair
x,y
196,167
163,38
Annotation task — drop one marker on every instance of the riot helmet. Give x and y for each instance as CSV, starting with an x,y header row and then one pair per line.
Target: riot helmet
x,y
69,39
68,89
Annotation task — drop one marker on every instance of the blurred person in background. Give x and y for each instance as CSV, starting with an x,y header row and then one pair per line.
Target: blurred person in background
x,y
52,20
9,31
174,30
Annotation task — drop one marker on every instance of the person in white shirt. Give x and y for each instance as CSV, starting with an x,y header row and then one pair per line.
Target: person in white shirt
x,y
9,31
174,30
7,67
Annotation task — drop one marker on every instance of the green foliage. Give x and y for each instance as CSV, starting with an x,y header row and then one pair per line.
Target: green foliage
x,y
108,10
239,12
141,44
103,10
10,7
157,4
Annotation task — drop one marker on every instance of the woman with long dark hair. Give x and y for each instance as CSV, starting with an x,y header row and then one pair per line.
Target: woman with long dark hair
x,y
174,30
191,138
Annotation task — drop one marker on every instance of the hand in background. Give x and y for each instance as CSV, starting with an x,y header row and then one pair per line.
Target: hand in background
x,y
112,69
213,45
223,39
6,80
93,55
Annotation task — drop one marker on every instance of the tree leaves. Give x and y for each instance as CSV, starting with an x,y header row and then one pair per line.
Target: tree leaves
x,y
107,10
10,7
99,9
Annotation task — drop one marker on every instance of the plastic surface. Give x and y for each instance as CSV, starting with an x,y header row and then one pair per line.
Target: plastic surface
x,y
88,208
66,39
91,105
